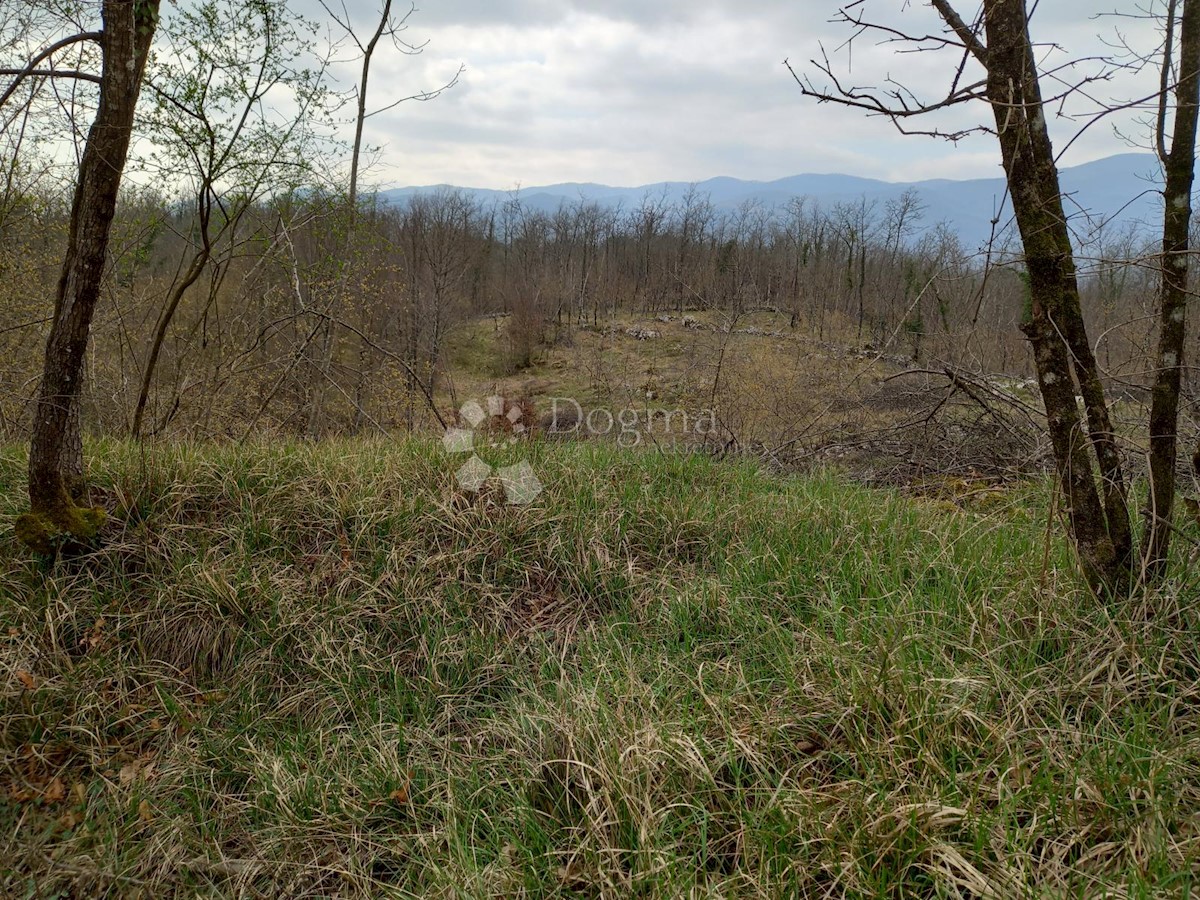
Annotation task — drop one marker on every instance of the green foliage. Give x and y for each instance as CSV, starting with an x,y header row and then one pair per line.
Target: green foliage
x,y
215,121
912,279
727,257
145,15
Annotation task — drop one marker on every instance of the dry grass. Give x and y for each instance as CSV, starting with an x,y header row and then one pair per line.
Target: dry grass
x,y
767,383
323,671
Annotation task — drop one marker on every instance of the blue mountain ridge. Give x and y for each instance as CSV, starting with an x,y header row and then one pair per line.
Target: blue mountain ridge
x,y
1123,191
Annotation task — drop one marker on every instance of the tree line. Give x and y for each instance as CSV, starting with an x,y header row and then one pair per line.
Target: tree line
x,y
281,328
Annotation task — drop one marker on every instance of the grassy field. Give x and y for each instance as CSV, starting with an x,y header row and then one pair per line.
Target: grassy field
x,y
769,382
327,671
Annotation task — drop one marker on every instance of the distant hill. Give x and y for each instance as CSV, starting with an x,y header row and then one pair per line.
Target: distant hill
x,y
1122,189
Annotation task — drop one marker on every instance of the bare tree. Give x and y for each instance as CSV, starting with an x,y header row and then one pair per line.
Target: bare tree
x,y
388,26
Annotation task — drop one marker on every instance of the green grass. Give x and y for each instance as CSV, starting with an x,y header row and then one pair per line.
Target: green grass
x,y
324,671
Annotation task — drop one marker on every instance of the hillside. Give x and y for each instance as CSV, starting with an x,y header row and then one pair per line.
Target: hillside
x,y
323,670
1118,188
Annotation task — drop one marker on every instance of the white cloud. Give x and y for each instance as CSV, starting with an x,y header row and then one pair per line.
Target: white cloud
x,y
630,91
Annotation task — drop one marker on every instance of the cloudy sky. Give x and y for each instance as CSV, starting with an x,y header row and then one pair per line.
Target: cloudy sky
x,y
629,92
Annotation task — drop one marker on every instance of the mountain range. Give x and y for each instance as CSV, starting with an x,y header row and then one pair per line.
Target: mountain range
x,y
1122,190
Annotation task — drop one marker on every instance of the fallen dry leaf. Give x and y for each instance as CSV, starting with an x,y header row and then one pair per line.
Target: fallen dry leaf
x,y
145,813
55,791
400,796
27,679
142,767
571,873
93,638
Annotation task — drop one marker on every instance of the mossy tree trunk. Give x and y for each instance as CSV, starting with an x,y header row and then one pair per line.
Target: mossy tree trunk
x,y
1098,514
56,451
1179,163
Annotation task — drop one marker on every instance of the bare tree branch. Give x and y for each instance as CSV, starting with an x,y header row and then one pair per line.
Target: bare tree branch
x,y
968,35
906,105
32,67
53,73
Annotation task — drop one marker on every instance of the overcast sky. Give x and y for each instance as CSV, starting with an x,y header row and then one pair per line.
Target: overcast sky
x,y
629,92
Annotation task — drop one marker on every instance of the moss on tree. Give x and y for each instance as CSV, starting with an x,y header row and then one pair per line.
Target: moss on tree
x,y
63,527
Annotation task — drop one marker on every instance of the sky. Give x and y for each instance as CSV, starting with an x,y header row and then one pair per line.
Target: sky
x,y
633,92
630,92
636,91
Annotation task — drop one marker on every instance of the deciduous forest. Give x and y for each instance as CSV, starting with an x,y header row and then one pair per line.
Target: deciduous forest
x,y
357,543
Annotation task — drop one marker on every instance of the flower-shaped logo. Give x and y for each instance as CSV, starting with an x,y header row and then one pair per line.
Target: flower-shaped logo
x,y
521,485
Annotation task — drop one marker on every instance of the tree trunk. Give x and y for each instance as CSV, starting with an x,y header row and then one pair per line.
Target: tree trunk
x,y
361,118
1100,525
1180,165
56,452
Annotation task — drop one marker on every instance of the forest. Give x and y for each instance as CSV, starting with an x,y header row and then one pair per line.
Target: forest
x,y
363,545
291,330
